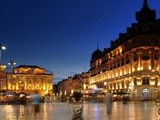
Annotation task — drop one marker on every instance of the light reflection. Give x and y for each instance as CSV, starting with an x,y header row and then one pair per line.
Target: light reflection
x,y
9,112
91,111
45,111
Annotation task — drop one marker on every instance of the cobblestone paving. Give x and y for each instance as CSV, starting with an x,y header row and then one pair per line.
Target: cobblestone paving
x,y
91,111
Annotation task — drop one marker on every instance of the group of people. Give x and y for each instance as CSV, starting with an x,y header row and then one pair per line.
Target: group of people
x,y
36,99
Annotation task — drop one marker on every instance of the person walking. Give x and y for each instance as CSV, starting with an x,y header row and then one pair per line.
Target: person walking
x,y
109,104
36,99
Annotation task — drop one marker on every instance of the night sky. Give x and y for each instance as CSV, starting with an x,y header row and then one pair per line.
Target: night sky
x,y
60,35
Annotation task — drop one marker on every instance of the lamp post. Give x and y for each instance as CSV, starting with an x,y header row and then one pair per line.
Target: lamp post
x,y
1,48
11,63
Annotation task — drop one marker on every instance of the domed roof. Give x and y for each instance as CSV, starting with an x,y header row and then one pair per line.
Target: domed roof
x,y
96,53
145,14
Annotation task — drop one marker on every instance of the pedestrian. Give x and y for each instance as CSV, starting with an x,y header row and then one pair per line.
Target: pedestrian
x,y
36,99
109,104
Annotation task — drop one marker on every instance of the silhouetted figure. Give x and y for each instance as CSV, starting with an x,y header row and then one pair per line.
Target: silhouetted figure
x,y
36,99
77,106
109,104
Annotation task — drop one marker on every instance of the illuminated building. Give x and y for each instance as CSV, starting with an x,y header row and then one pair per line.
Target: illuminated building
x,y
78,82
28,78
132,62
3,77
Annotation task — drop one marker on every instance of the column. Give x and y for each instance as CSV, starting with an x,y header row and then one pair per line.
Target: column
x,y
131,62
159,61
152,56
139,60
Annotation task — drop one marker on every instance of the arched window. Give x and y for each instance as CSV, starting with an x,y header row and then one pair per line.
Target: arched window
x,y
145,90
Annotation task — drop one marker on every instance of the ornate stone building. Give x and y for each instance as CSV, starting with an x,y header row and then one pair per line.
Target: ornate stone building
x,y
78,82
3,84
28,78
132,62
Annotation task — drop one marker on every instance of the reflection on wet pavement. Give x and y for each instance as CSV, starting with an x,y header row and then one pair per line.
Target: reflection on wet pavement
x,y
91,111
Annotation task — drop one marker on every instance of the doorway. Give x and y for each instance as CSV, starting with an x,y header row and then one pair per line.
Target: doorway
x,y
145,94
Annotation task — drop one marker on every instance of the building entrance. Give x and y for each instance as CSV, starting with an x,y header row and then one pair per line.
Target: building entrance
x,y
145,94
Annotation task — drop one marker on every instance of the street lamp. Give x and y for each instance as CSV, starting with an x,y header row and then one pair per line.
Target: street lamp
x,y
1,48
11,63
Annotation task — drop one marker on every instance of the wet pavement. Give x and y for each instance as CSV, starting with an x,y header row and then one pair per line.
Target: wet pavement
x,y
91,111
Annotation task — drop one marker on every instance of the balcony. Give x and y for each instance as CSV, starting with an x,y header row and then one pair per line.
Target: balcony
x,y
145,73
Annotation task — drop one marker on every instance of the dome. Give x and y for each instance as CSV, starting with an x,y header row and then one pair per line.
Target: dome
x,y
96,53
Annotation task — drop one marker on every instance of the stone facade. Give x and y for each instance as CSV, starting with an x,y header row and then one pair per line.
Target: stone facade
x,y
132,62
3,77
28,78
78,82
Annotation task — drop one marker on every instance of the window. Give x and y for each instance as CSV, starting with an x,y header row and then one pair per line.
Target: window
x,y
122,63
145,81
127,61
135,58
145,57
156,57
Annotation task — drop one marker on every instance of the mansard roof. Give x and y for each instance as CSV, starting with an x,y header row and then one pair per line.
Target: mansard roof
x,y
96,53
147,23
29,66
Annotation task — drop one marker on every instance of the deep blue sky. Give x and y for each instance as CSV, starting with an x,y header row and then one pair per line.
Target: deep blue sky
x,y
60,35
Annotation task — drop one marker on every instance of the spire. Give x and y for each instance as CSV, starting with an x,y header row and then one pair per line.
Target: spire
x,y
97,47
145,4
145,14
